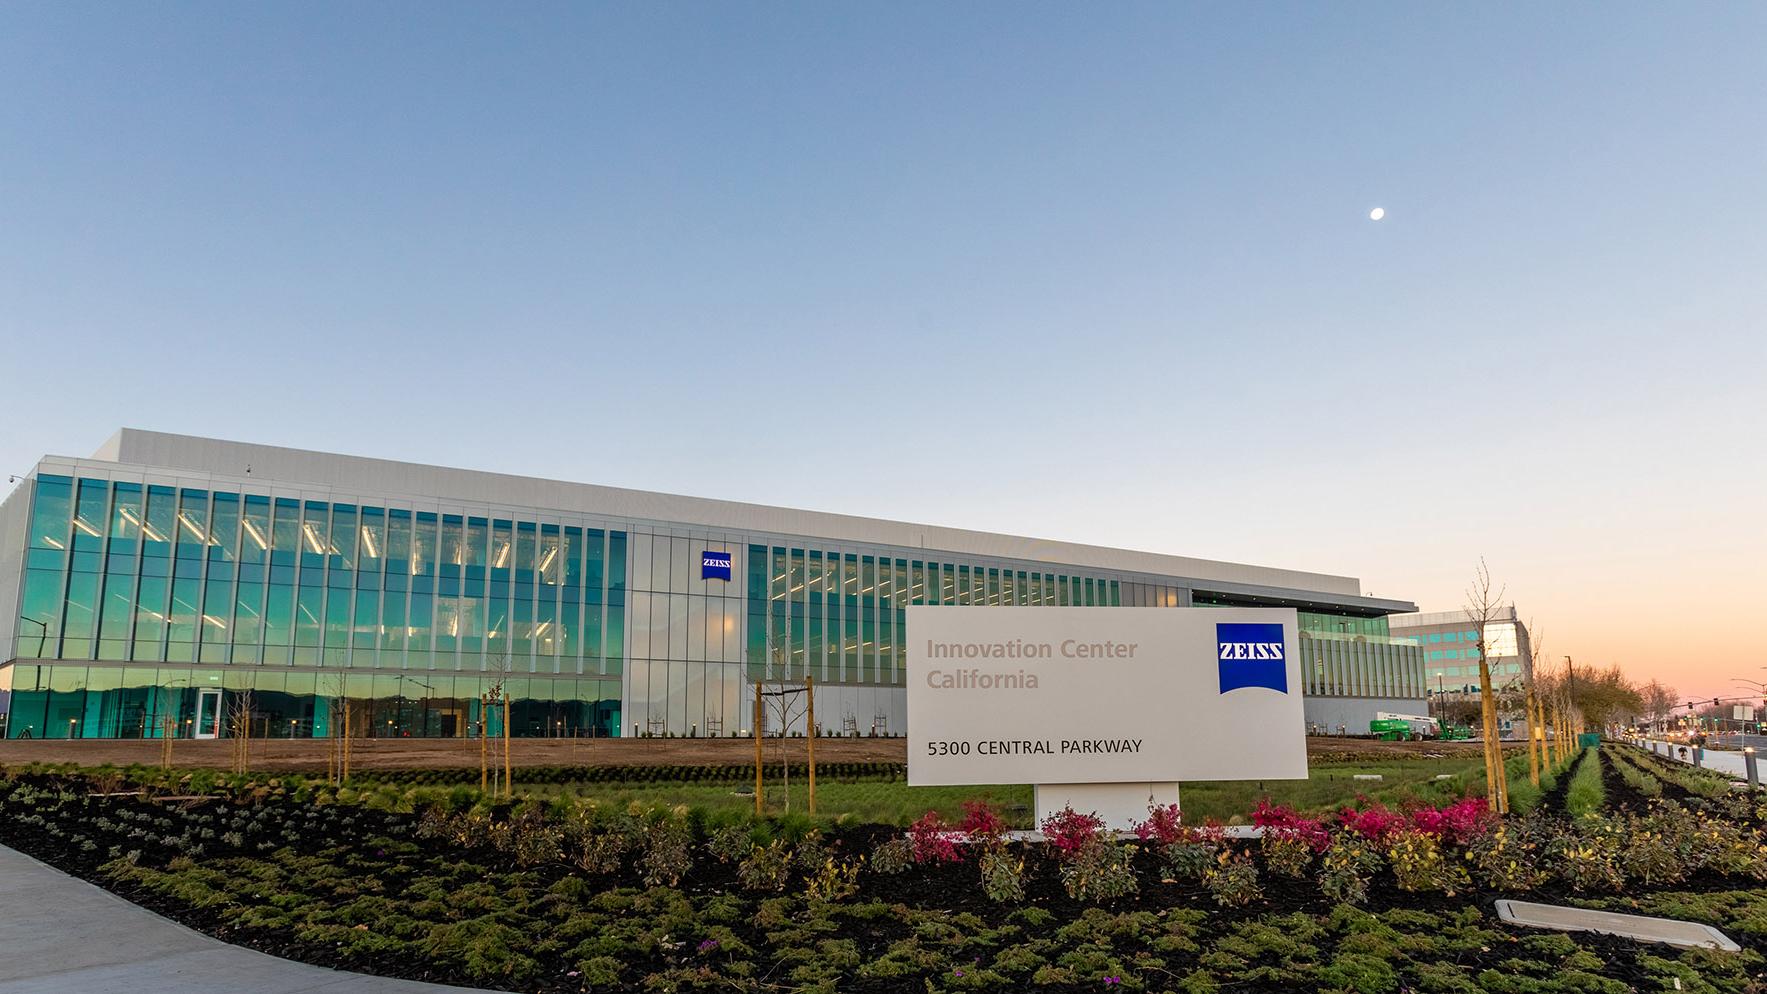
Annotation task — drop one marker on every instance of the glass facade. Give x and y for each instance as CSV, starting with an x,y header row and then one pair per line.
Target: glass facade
x,y
137,596
305,600
1450,647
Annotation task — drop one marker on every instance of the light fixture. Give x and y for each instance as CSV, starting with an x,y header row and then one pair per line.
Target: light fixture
x,y
368,542
54,543
88,529
546,560
313,541
251,529
193,528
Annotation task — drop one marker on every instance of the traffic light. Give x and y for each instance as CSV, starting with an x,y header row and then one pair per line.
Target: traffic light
x,y
1714,702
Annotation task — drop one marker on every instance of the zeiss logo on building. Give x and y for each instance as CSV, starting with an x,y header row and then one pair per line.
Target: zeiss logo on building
x,y
714,566
1251,656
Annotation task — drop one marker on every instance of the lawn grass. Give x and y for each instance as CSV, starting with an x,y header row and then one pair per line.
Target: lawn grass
x,y
1329,786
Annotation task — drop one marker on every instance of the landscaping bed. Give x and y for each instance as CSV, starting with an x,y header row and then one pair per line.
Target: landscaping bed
x,y
557,895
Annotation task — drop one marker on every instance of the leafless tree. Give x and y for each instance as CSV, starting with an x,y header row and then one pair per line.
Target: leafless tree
x,y
783,704
499,666
1482,606
341,735
239,728
1530,705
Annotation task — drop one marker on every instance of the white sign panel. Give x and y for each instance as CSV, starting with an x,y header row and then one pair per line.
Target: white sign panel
x,y
1071,695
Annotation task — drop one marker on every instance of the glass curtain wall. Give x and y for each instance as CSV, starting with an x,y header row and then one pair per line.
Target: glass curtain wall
x,y
284,596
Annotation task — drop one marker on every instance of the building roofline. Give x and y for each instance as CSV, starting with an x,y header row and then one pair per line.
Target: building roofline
x,y
246,462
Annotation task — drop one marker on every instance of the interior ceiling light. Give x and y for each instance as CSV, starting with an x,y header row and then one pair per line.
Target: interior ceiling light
x,y
192,527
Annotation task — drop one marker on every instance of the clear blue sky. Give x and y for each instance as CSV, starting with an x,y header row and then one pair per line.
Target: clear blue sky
x,y
1095,272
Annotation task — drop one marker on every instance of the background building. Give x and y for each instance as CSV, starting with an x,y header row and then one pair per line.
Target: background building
x,y
144,584
1451,655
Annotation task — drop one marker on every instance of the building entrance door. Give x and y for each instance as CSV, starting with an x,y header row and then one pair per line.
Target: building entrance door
x,y
208,714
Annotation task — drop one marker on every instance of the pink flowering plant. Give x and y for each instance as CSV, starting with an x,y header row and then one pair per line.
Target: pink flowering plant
x,y
1164,825
1068,832
933,841
1460,823
1374,821
982,824
1284,822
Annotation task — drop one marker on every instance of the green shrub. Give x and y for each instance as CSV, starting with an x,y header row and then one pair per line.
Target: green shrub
x,y
1650,857
1233,880
1100,870
1346,867
1419,864
765,868
810,853
1586,855
730,843
893,856
1189,859
1003,875
1286,853
667,852
1506,858
834,879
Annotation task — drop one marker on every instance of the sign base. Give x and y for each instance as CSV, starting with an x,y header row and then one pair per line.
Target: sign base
x,y
1121,805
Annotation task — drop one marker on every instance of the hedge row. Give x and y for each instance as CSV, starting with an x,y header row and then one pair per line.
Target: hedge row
x,y
730,773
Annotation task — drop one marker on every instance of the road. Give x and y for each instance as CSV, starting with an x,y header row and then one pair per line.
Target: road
x,y
1729,763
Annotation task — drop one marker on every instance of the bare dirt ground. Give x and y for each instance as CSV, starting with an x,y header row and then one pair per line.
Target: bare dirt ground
x,y
409,754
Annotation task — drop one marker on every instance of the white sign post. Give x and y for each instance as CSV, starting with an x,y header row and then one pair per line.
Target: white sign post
x,y
1103,709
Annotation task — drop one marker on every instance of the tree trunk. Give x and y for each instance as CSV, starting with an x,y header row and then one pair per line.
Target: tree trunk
x,y
1496,784
1533,728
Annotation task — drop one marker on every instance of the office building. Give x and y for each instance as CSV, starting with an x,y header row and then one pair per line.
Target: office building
x,y
152,583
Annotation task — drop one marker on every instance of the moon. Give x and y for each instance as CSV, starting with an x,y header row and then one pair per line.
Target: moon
x,y
1377,213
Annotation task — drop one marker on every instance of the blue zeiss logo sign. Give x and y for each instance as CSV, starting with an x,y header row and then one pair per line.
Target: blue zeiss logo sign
x,y
1251,656
714,566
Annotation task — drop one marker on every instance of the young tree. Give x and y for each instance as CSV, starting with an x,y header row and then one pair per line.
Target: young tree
x,y
239,728
1536,750
339,741
499,666
1482,606
782,704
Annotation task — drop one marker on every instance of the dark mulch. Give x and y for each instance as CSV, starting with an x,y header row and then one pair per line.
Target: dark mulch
x,y
948,889
1621,796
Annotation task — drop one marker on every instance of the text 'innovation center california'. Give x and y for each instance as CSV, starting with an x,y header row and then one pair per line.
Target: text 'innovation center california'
x,y
148,588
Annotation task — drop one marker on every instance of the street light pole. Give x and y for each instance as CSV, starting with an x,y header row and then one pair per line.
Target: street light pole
x,y
42,634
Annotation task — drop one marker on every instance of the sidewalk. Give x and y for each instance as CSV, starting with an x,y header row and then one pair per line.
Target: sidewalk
x,y
1727,763
61,934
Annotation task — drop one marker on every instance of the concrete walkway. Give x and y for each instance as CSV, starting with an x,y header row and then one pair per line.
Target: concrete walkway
x,y
1727,763
59,934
